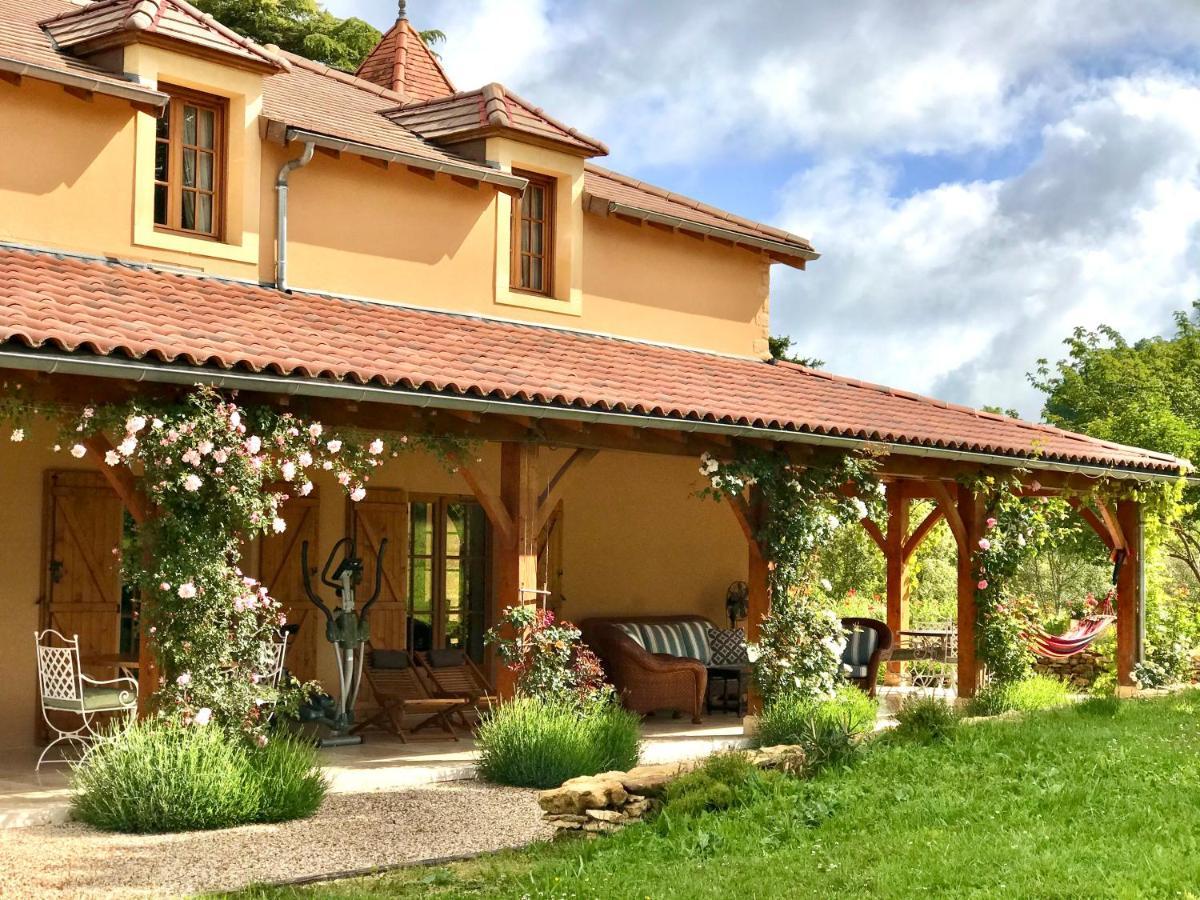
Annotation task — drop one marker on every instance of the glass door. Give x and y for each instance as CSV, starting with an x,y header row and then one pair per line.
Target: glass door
x,y
447,574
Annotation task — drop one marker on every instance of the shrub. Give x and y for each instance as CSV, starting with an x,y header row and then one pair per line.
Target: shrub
x,y
159,777
541,742
1105,684
827,729
926,720
1029,694
799,651
725,780
547,656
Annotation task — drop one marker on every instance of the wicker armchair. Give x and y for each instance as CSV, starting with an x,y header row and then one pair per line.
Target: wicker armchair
x,y
648,682
870,643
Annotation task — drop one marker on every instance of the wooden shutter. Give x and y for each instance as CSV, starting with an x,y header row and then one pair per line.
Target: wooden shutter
x,y
280,570
84,524
384,514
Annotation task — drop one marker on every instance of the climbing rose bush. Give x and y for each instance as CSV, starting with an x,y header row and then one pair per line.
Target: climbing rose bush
x,y
214,474
799,651
547,656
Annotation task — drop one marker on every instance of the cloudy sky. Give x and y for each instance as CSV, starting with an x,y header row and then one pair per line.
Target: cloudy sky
x,y
980,177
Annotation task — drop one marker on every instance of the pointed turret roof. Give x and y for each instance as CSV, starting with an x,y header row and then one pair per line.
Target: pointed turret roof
x,y
106,23
402,62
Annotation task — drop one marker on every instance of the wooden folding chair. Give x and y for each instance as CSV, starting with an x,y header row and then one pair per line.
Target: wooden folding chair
x,y
400,691
453,674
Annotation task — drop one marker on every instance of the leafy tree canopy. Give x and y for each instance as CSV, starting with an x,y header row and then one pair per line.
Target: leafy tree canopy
x,y
1146,394
781,348
303,27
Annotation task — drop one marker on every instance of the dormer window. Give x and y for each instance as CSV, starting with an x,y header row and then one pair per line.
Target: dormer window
x,y
188,155
533,236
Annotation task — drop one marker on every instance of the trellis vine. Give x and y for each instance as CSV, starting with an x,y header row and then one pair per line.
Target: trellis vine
x,y
801,640
214,474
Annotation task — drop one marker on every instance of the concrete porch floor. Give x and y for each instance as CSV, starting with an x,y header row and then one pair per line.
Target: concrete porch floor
x,y
381,763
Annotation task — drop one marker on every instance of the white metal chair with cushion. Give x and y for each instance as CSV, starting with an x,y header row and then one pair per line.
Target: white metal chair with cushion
x,y
65,689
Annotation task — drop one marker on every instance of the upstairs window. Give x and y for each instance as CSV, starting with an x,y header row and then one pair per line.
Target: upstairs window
x,y
188,160
533,236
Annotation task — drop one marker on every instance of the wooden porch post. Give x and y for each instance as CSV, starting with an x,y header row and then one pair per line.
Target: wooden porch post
x,y
1130,584
897,568
514,548
970,516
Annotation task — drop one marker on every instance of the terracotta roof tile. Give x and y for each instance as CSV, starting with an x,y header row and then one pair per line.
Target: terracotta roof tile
x,y
613,187
93,24
92,306
469,114
403,63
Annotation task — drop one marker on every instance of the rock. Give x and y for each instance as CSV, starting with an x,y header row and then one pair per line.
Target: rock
x,y
785,757
568,826
581,794
606,815
638,808
578,820
653,780
601,827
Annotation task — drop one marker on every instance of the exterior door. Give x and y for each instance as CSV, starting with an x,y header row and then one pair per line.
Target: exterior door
x,y
280,570
83,591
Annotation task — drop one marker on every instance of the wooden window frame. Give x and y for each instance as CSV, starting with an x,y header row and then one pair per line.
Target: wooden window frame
x,y
549,207
219,106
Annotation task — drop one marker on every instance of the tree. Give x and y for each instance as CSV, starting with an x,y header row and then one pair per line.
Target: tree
x,y
303,27
1146,394
781,348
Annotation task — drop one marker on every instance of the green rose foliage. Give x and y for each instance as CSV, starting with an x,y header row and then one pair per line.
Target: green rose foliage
x,y
803,508
548,658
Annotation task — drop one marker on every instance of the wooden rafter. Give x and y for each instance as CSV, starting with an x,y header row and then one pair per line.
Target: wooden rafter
x,y
488,497
746,519
875,532
1097,524
120,479
1113,525
549,499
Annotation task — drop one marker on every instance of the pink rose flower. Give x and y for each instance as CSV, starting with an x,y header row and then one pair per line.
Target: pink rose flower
x,y
982,585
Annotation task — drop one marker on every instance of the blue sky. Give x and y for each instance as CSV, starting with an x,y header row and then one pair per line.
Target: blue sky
x,y
980,177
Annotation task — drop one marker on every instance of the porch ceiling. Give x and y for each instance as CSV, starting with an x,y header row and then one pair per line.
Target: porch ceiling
x,y
92,308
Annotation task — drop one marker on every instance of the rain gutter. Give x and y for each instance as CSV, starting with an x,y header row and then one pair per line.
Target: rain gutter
x,y
131,92
160,373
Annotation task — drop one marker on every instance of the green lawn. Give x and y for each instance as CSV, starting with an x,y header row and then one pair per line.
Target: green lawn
x,y
1101,800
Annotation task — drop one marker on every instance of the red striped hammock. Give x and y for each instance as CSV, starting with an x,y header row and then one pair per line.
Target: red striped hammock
x,y
1079,638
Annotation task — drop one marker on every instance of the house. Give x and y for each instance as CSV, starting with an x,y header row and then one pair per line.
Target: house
x,y
179,204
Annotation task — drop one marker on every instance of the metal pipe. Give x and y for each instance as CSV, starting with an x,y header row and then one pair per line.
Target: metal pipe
x,y
108,367
281,211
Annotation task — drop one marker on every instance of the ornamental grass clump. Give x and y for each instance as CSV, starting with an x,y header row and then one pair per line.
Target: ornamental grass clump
x,y
828,730
926,720
541,742
160,777
1028,695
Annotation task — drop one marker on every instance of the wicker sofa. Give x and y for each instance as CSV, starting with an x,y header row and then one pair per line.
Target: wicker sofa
x,y
647,681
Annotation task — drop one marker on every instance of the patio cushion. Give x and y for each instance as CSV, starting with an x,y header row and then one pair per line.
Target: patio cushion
x,y
451,656
632,632
860,644
685,639
728,646
390,659
856,671
93,699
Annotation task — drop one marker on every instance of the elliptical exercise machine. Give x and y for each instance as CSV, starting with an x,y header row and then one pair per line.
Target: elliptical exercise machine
x,y
348,629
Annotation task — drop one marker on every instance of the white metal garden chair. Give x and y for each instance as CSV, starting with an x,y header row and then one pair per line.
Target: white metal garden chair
x,y
271,664
65,689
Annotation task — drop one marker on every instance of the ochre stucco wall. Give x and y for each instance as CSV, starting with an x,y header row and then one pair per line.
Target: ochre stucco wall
x,y
636,540
76,176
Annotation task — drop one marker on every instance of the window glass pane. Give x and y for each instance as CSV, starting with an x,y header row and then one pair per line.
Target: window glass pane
x,y
160,204
525,271
455,526
189,168
162,128
524,237
189,125
206,170
188,217
536,234
206,129
204,213
536,195
162,152
421,529
535,275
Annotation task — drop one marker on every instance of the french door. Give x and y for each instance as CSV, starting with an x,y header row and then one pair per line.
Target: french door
x,y
447,574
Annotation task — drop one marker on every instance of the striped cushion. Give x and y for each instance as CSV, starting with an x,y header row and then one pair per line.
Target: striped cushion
x,y
860,644
686,639
632,633
856,672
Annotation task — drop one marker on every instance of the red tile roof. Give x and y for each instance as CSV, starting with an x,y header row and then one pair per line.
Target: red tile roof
x,y
106,22
403,63
471,114
89,306
614,188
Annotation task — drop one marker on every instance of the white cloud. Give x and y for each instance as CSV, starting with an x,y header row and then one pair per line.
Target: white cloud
x,y
958,289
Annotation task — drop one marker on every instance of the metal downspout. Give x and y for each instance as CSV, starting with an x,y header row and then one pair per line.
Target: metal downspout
x,y
281,212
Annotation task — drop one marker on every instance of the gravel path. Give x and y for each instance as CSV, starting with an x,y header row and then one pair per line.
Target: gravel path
x,y
352,831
